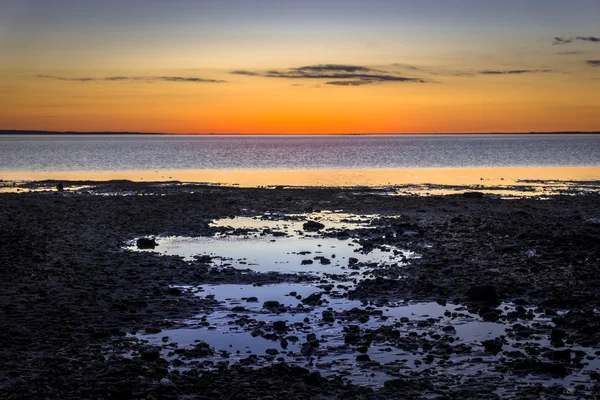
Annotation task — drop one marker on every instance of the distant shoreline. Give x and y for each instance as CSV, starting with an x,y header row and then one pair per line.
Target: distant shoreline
x,y
29,132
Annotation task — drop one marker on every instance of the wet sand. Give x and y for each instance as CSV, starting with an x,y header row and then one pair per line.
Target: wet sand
x,y
87,315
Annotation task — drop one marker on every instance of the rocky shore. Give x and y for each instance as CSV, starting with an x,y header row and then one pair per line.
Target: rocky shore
x,y
76,303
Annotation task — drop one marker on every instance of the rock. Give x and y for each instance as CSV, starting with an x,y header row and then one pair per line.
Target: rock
x,y
482,293
492,346
323,260
173,291
312,300
557,335
490,316
271,304
272,352
508,248
473,195
312,226
60,187
351,338
150,353
252,299
146,243
306,262
280,326
328,316
559,355
313,379
363,358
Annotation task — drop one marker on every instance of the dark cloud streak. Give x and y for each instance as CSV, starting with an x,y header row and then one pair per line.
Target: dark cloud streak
x,y
561,40
513,71
133,78
593,63
337,74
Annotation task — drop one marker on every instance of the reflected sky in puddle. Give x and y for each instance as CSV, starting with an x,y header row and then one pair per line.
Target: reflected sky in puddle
x,y
249,331
235,323
276,243
279,254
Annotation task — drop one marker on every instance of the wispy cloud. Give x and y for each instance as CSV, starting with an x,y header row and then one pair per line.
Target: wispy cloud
x,y
562,40
335,74
570,53
588,39
513,71
593,63
244,72
132,78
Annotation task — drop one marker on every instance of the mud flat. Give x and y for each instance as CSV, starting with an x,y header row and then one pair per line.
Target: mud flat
x,y
297,293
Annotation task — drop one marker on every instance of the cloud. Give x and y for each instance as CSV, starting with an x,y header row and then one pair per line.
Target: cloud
x,y
244,72
333,68
336,74
60,78
559,40
348,83
568,53
133,78
562,40
588,39
513,71
593,63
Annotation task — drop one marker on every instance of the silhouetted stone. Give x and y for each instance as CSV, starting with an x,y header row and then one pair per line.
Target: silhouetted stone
x,y
482,293
146,243
473,195
312,226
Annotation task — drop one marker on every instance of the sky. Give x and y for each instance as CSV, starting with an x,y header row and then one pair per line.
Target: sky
x,y
326,66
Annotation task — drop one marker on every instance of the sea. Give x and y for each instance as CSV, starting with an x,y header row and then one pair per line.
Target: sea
x,y
303,160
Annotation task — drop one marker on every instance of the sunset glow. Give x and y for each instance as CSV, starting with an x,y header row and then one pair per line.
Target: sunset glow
x,y
303,67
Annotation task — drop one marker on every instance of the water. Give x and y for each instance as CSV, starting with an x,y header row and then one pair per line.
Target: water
x,y
175,152
397,335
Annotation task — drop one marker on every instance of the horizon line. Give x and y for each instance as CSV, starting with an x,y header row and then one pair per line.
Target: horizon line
x,y
49,132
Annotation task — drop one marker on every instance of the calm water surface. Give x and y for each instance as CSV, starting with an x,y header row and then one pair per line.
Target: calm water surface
x,y
101,153
348,157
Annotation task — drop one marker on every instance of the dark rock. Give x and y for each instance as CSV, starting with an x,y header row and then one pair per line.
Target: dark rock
x,y
174,291
312,300
557,335
307,262
252,299
272,352
492,346
559,355
483,293
363,358
146,243
271,304
313,379
490,316
508,248
150,353
60,187
473,195
312,226
280,326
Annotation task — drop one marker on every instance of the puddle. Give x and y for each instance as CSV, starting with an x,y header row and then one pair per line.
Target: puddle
x,y
249,334
316,325
278,243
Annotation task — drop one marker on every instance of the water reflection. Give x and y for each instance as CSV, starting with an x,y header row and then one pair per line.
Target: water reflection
x,y
486,177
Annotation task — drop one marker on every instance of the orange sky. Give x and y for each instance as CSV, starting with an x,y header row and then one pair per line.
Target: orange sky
x,y
212,69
